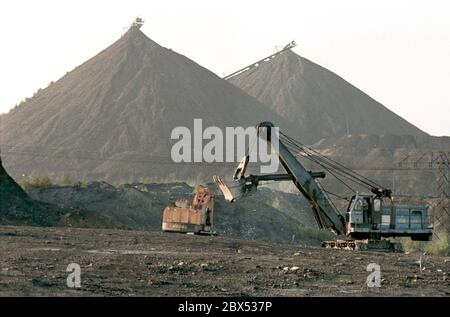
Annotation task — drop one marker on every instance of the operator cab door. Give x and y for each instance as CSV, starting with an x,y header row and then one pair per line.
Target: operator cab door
x,y
363,204
377,211
358,211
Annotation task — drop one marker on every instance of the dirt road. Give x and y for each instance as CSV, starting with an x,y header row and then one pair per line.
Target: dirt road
x,y
33,262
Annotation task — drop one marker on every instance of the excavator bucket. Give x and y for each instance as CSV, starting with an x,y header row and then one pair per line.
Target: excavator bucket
x,y
240,188
229,197
232,193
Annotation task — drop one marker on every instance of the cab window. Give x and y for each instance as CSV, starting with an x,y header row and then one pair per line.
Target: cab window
x,y
377,204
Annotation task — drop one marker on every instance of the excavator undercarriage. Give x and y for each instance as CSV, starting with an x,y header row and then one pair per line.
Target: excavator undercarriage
x,y
364,245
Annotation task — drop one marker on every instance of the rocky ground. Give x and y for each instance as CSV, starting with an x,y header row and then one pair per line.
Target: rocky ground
x,y
152,263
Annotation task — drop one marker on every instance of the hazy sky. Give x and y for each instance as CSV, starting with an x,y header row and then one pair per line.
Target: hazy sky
x,y
398,52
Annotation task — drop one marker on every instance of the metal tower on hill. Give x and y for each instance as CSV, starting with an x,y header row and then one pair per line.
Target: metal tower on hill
x,y
440,162
137,23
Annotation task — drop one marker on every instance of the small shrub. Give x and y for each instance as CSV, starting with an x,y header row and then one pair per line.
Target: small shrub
x,y
411,246
317,234
84,184
66,180
37,182
439,246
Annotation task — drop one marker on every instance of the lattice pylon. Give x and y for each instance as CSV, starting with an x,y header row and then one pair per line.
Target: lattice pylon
x,y
442,209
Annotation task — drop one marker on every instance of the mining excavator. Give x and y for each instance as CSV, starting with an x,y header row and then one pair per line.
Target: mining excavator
x,y
194,217
369,218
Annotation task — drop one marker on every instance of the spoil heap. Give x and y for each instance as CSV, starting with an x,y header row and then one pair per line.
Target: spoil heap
x,y
111,118
320,103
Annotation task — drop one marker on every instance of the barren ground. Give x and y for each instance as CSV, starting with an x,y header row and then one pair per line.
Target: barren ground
x,y
33,262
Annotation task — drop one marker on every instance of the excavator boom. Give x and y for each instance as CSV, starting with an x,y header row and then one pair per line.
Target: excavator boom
x,y
324,212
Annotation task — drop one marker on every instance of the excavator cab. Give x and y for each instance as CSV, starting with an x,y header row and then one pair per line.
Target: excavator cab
x,y
379,217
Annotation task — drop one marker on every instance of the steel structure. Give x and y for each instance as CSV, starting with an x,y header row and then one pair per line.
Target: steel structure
x,y
266,59
440,162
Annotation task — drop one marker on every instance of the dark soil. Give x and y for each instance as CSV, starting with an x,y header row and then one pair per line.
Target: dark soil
x,y
140,263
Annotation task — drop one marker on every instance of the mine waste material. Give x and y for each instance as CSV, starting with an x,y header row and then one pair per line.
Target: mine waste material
x,y
17,208
266,216
320,103
12,197
111,118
